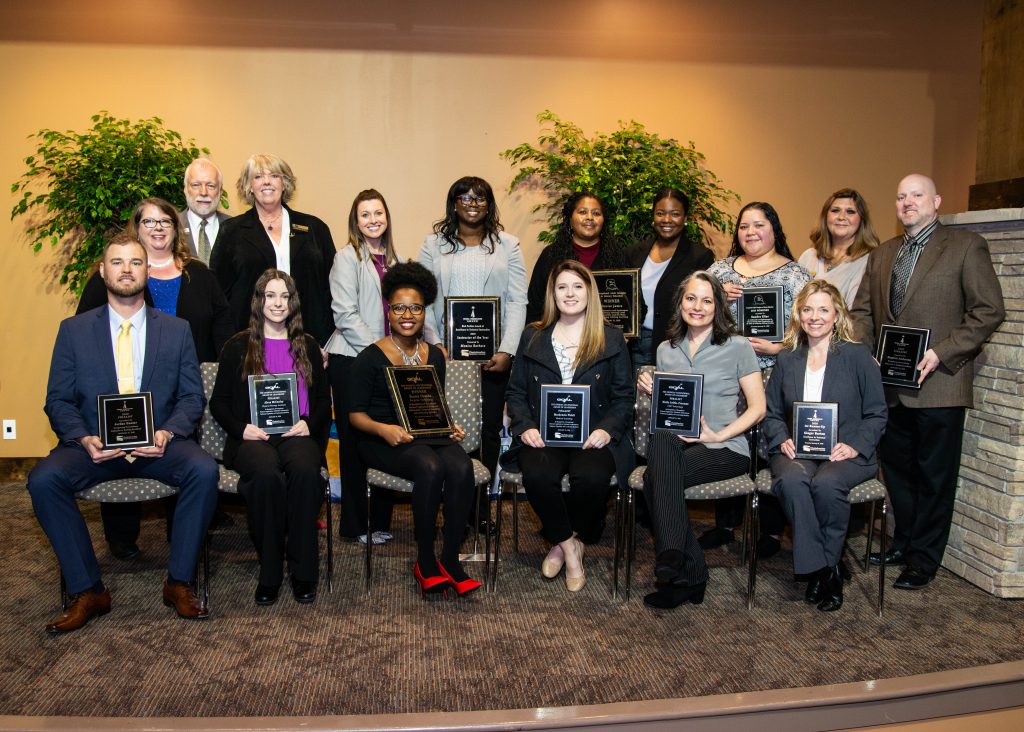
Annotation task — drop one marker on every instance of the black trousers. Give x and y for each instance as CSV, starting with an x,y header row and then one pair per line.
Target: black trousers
x,y
672,466
353,471
283,491
583,508
920,457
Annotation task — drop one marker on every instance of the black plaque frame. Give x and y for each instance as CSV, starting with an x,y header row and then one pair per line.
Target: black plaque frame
x,y
424,382
472,351
108,406
615,286
664,381
887,344
273,382
553,392
773,335
803,412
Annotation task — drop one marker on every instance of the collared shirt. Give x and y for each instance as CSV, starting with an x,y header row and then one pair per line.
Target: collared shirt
x,y
915,251
195,224
284,249
138,333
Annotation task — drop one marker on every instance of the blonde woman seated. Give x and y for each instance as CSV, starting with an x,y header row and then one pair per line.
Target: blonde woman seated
x,y
702,339
820,362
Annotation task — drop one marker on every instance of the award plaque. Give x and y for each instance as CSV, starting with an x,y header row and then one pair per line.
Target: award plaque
x,y
564,414
760,313
900,350
126,420
274,402
419,401
473,327
814,429
619,291
675,403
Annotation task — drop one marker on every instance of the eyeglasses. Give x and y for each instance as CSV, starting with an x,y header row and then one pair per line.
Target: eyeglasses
x,y
400,308
469,200
157,223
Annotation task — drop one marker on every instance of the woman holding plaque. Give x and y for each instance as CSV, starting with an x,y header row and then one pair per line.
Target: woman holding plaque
x,y
571,345
760,257
470,256
583,236
360,318
664,260
280,472
437,466
841,243
702,339
822,363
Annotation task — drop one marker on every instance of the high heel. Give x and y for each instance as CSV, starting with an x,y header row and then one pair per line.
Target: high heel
x,y
575,584
462,587
437,583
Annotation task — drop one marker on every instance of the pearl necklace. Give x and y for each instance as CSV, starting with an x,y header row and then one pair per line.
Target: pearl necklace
x,y
157,265
414,359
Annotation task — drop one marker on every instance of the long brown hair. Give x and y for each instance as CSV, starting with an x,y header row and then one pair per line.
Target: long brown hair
x,y
255,355
592,341
864,241
722,325
843,329
355,236
180,249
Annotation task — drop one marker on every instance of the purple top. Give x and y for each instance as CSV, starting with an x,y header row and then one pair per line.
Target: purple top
x,y
380,264
279,361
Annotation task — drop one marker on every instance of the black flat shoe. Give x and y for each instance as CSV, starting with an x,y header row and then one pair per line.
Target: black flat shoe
x,y
304,591
913,578
893,556
124,550
266,594
672,596
831,590
714,538
816,586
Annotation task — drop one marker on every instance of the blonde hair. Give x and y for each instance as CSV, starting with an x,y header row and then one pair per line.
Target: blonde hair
x,y
841,331
255,165
592,340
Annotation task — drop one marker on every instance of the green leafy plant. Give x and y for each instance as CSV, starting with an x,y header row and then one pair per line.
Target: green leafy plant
x,y
625,168
80,188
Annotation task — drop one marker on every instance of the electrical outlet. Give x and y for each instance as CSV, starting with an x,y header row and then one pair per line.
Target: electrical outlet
x,y
10,432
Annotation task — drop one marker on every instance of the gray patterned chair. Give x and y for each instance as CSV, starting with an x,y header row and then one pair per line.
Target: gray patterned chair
x,y
462,391
872,491
212,438
743,485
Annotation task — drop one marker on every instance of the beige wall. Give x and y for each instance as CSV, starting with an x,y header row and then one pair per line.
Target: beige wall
x,y
409,124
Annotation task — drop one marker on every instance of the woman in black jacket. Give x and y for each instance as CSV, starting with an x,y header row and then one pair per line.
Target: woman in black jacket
x,y
571,345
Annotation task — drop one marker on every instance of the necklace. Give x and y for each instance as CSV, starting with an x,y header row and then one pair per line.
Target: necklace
x,y
414,359
157,265
274,220
381,260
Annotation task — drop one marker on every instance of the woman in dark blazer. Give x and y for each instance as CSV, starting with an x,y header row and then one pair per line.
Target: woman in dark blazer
x,y
820,362
571,345
280,473
271,235
664,260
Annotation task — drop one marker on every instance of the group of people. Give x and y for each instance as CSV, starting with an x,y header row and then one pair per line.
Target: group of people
x,y
278,297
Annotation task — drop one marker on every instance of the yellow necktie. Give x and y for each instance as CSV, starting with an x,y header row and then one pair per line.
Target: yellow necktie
x,y
125,362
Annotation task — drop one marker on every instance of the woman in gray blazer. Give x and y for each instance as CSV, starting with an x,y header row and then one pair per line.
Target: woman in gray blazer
x,y
820,362
359,320
471,256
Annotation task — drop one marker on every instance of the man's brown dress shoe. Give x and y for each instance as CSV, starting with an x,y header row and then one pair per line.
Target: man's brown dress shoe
x,y
82,609
184,601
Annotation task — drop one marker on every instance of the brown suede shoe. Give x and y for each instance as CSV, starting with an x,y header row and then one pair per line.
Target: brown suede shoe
x,y
83,608
184,601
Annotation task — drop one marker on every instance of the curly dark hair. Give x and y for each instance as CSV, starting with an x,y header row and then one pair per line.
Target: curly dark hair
x,y
448,227
410,274
722,325
781,246
612,252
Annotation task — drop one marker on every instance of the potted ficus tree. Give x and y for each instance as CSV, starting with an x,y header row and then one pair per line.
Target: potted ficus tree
x,y
80,187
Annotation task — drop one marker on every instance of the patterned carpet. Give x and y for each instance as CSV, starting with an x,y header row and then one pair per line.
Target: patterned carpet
x,y
529,645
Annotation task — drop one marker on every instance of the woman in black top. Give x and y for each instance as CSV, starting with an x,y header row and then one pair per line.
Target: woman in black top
x,y
438,466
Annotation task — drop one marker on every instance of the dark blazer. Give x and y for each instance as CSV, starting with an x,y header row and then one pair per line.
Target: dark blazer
x,y
83,367
852,380
688,258
953,291
229,403
611,256
244,252
201,302
193,238
611,392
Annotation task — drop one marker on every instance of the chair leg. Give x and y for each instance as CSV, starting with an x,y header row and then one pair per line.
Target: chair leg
x,y
369,539
206,571
63,592
476,520
871,536
618,542
487,535
754,530
881,567
497,537
330,538
629,538
515,519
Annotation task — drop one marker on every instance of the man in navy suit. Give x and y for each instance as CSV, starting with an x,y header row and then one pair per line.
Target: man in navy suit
x,y
85,365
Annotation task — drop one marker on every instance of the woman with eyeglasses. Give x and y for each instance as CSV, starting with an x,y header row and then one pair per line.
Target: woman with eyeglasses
x,y
471,256
178,285
279,473
437,466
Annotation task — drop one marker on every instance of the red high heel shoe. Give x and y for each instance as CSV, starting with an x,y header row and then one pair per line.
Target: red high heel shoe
x,y
437,583
461,588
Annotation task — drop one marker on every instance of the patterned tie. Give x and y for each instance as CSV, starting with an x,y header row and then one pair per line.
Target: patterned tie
x,y
204,243
125,362
901,272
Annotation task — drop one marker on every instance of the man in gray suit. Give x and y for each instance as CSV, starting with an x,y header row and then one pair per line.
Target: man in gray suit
x,y
941,279
201,220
